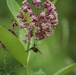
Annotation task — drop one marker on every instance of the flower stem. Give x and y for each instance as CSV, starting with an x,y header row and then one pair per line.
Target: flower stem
x,y
28,57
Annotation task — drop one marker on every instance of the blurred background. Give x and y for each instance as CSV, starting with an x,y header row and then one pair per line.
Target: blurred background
x,y
59,50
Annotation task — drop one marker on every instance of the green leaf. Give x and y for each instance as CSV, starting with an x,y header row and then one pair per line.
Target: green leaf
x,y
54,1
65,70
13,45
40,72
13,7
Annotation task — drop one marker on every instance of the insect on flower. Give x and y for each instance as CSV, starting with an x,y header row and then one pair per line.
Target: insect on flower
x,y
35,49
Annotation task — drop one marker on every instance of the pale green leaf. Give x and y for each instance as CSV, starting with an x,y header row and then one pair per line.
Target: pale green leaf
x,y
13,45
40,72
54,1
13,7
65,70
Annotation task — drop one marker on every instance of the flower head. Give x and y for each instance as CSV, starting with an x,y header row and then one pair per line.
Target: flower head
x,y
40,25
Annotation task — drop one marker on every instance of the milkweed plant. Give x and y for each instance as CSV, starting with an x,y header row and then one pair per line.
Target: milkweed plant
x,y
36,21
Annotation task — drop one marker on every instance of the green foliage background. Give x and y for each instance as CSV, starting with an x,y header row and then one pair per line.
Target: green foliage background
x,y
59,50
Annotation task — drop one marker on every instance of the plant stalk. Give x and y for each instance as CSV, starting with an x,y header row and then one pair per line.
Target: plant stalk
x,y
28,57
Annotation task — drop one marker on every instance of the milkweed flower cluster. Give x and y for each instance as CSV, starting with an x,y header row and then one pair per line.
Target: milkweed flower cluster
x,y
41,25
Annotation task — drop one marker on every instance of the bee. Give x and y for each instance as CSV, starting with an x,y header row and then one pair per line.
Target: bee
x,y
35,49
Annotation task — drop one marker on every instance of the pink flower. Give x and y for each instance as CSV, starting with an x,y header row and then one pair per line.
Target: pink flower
x,y
36,3
42,15
21,17
34,18
41,25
